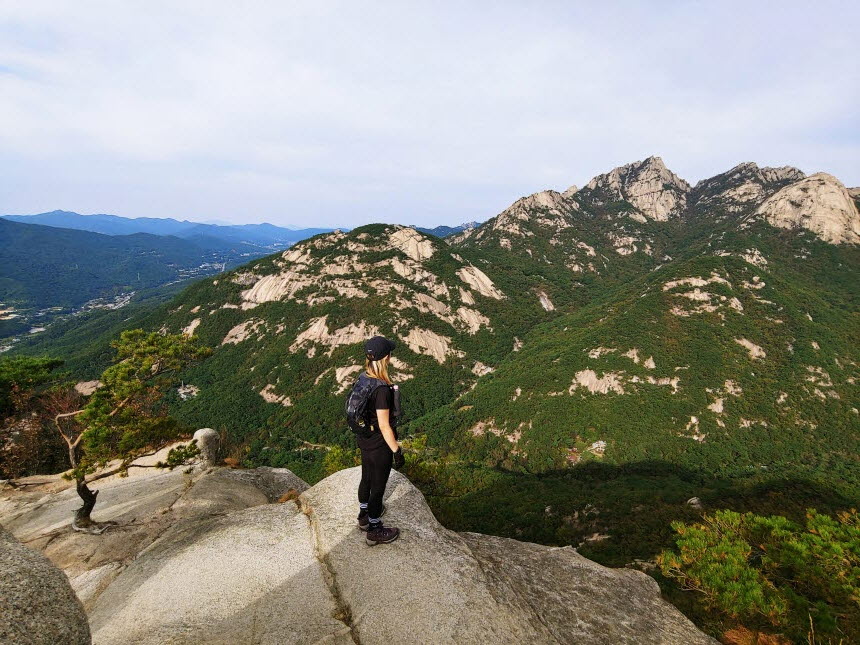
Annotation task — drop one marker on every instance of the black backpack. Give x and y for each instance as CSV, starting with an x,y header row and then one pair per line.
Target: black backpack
x,y
357,411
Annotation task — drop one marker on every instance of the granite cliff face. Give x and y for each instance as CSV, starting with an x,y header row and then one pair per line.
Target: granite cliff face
x,y
205,557
819,203
744,185
656,191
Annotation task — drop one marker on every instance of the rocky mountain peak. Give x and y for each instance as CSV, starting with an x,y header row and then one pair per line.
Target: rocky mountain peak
x,y
743,186
818,203
547,209
649,185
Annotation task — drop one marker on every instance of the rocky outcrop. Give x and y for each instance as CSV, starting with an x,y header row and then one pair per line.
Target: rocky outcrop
x,y
37,604
144,505
653,189
226,567
819,203
480,282
547,209
743,186
412,243
247,577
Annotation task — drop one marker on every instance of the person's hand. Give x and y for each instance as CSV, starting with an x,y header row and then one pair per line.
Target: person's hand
x,y
399,460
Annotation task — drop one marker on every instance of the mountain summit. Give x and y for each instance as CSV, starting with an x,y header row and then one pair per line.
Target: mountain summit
x,y
651,187
744,185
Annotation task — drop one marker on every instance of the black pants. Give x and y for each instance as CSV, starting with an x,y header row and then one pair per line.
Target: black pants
x,y
376,458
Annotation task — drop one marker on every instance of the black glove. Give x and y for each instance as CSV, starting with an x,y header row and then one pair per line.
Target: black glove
x,y
399,459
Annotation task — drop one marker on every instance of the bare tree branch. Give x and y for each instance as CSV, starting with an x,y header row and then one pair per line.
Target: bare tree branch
x,y
121,405
118,469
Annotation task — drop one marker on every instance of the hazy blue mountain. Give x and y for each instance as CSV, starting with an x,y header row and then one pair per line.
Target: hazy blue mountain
x,y
445,231
265,235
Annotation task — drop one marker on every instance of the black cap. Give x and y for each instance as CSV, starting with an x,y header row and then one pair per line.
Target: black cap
x,y
378,348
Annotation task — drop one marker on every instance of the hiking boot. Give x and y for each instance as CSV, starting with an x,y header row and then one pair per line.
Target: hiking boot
x,y
364,519
381,535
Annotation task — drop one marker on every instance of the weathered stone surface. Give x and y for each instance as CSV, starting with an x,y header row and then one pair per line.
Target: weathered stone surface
x,y
209,561
412,243
651,187
208,442
37,604
472,588
569,599
819,203
143,505
248,577
272,482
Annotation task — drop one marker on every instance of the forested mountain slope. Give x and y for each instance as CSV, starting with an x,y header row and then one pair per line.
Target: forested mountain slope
x,y
289,330
45,266
47,271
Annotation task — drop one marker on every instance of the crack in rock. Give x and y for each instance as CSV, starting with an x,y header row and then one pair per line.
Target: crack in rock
x,y
344,613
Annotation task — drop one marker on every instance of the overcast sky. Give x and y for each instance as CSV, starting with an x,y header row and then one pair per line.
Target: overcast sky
x,y
338,114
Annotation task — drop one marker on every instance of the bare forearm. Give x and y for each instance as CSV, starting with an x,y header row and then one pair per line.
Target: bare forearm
x,y
388,435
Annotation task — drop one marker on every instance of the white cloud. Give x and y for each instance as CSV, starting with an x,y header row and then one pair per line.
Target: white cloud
x,y
342,113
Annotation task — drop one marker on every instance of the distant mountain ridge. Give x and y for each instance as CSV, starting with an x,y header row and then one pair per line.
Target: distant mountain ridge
x,y
445,231
264,235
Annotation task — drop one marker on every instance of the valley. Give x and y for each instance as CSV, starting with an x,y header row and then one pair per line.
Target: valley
x,y
61,265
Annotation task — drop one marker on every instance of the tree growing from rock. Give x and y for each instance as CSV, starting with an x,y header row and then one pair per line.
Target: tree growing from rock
x,y
126,418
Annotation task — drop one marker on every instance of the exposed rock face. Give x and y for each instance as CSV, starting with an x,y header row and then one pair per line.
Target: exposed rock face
x,y
247,577
547,208
651,187
318,333
37,604
145,505
479,281
87,387
226,567
744,185
819,203
412,243
424,341
482,589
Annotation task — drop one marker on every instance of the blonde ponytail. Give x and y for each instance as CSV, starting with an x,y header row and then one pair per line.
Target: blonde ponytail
x,y
377,369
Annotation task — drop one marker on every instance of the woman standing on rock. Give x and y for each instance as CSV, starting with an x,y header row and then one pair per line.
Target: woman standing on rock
x,y
371,409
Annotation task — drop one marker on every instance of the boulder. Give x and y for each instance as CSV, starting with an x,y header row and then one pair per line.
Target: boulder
x,y
37,604
208,442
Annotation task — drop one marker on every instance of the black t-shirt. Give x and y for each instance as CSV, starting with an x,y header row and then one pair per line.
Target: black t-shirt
x,y
383,399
